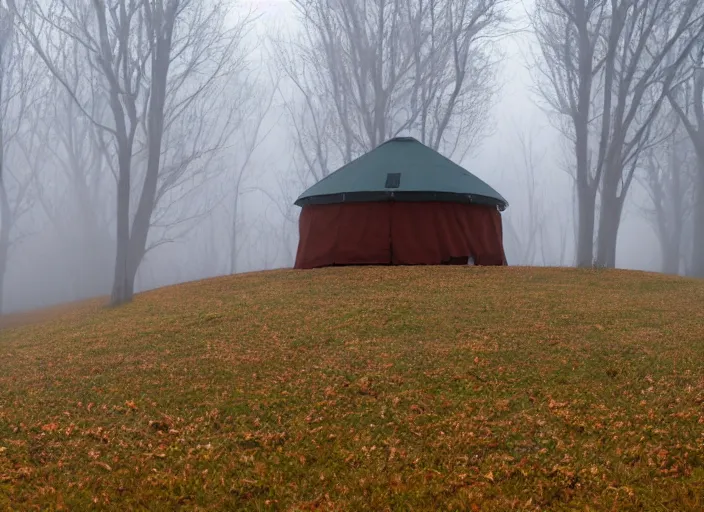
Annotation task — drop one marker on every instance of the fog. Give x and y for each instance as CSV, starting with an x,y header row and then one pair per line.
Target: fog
x,y
231,209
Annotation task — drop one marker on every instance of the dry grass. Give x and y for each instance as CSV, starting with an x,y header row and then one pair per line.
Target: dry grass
x,y
363,389
65,311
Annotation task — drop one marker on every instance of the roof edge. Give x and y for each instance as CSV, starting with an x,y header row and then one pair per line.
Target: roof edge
x,y
400,138
405,196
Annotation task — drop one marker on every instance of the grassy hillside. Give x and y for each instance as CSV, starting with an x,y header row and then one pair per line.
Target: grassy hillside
x,y
363,389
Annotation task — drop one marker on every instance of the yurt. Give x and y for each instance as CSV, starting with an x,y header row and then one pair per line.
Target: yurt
x,y
400,204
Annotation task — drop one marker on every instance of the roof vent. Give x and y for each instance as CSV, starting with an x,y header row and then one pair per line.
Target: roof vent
x,y
393,180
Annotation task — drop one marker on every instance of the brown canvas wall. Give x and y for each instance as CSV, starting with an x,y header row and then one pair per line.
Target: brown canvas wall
x,y
401,233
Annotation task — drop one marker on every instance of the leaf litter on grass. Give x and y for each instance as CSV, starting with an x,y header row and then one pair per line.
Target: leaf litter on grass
x,y
364,389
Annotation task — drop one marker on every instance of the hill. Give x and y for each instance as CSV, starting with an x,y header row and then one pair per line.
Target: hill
x,y
397,388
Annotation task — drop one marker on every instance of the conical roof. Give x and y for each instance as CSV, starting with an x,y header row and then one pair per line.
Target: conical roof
x,y
401,169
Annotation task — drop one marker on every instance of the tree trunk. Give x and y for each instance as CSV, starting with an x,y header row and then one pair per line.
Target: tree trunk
x,y
670,258
122,289
670,237
585,230
671,223
140,234
5,223
698,238
609,222
233,239
133,262
161,59
671,232
586,191
3,265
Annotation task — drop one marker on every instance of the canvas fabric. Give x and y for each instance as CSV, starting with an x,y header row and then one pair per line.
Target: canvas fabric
x,y
399,233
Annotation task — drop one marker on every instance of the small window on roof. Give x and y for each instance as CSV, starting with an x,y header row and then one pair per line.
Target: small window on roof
x,y
393,180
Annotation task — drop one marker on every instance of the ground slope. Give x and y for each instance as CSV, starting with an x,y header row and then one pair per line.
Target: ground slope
x,y
418,388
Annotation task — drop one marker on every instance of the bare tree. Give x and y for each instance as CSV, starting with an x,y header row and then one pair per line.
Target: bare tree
x,y
687,100
526,228
366,71
207,60
606,68
253,132
535,236
648,44
75,192
289,183
19,81
569,37
669,171
158,62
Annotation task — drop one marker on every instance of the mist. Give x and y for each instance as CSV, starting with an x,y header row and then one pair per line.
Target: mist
x,y
254,114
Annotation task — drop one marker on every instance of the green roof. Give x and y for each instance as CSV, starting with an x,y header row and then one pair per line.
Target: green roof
x,y
401,169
